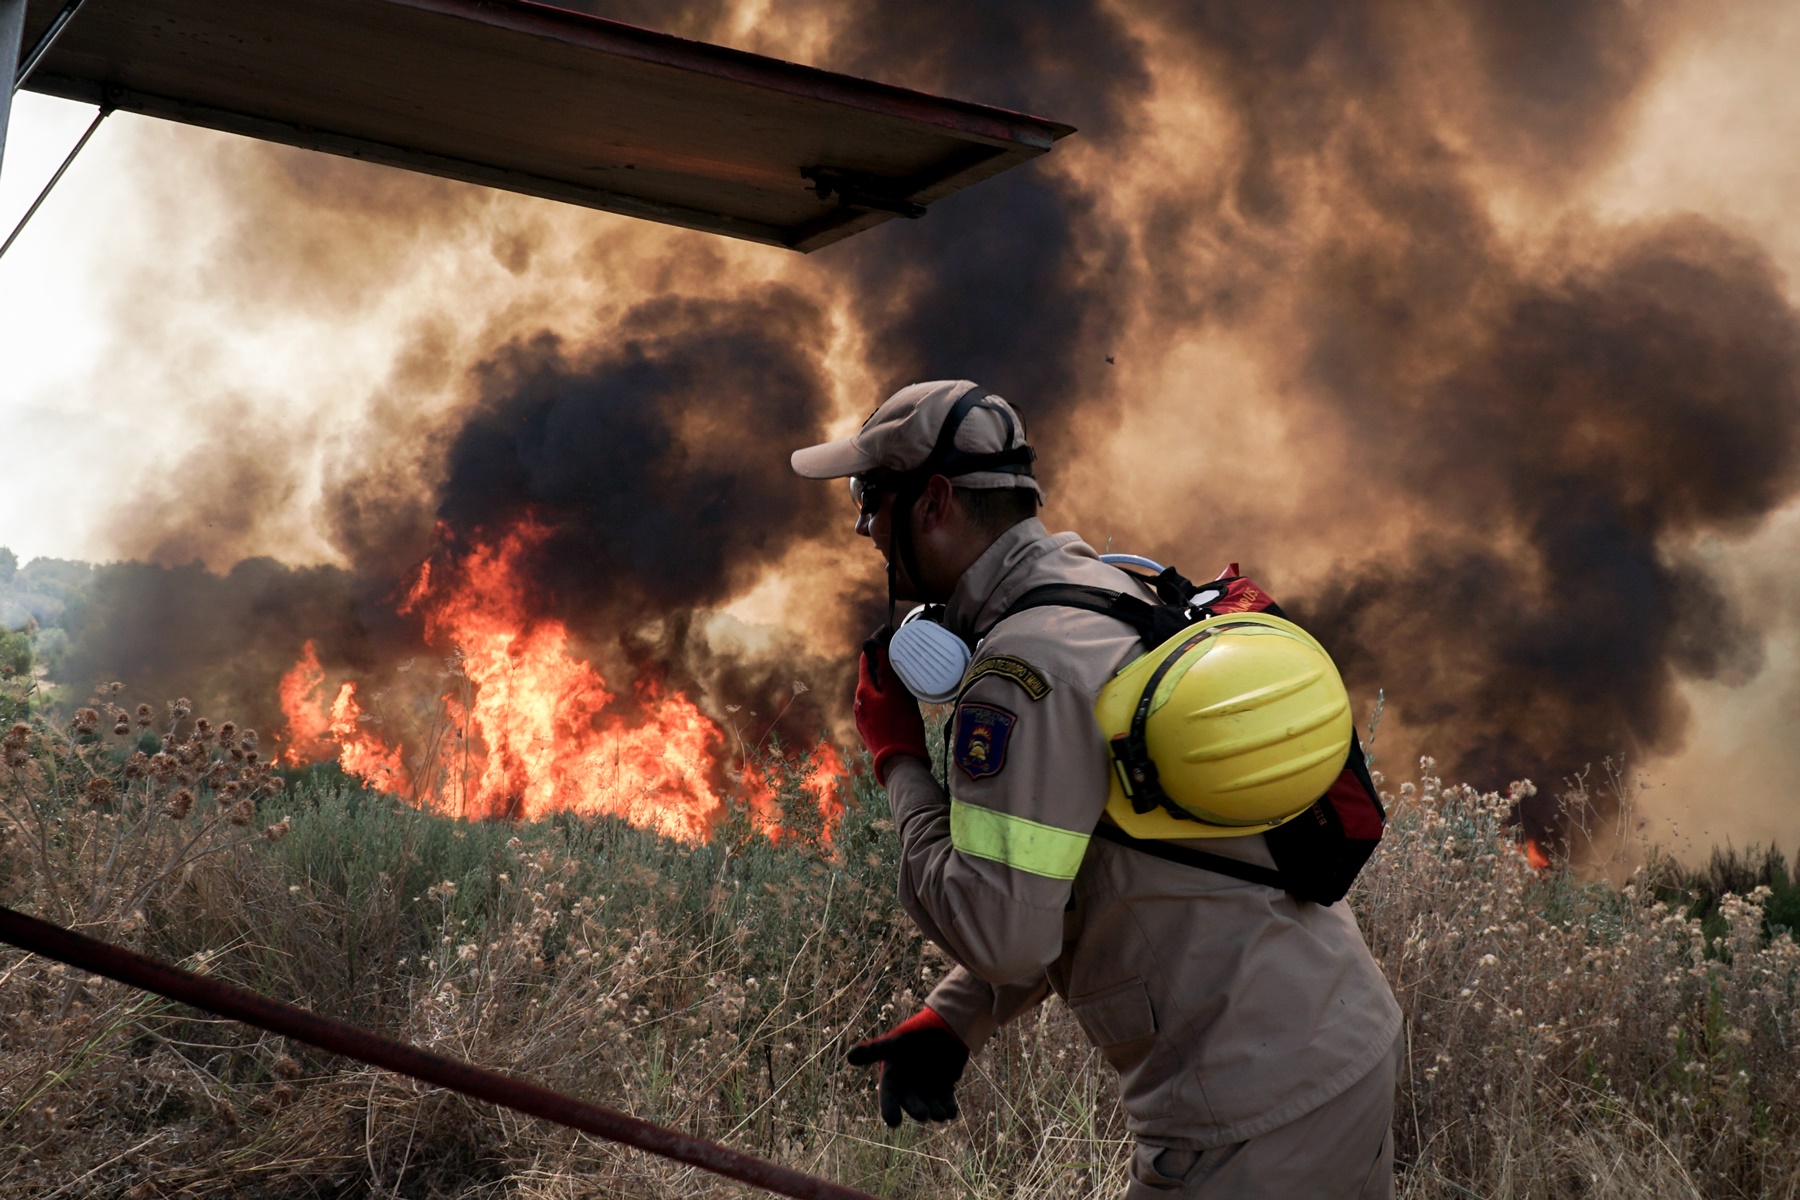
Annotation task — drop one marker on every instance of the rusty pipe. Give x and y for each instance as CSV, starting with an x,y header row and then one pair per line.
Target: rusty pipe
x,y
440,1070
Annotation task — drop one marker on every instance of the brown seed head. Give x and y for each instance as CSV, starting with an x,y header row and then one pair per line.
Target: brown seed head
x,y
181,709
228,730
17,735
180,804
85,720
99,790
248,741
284,1067
163,766
137,766
243,812
122,726
277,831
143,716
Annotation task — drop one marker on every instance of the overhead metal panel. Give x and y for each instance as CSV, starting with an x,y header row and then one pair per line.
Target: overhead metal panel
x,y
541,100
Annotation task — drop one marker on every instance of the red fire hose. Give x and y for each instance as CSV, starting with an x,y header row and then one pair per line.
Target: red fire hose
x,y
240,1004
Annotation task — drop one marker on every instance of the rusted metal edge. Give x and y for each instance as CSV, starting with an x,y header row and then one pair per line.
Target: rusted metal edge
x,y
980,121
89,91
969,166
339,1037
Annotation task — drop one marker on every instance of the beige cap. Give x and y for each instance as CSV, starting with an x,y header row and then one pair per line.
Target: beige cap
x,y
900,435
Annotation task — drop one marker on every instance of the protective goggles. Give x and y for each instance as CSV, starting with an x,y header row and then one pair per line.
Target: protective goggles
x,y
868,491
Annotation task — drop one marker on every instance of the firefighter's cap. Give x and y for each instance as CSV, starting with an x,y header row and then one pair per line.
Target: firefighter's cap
x,y
900,435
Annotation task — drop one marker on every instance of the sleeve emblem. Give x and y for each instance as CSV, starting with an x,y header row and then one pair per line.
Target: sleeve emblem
x,y
1007,667
982,731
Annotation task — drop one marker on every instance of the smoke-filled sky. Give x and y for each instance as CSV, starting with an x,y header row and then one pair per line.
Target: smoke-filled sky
x,y
1469,330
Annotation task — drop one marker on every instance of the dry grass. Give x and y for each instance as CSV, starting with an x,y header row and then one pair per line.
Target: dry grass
x,y
1565,1039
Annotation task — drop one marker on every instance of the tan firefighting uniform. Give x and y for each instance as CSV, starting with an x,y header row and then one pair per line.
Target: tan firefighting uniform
x,y
1229,1009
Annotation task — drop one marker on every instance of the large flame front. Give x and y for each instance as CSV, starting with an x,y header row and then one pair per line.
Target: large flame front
x,y
527,728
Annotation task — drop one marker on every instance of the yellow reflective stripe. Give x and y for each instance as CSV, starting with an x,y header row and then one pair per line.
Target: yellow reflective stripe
x,y
1016,842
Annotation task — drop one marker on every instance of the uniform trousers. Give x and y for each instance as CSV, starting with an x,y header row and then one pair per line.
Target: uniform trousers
x,y
1342,1150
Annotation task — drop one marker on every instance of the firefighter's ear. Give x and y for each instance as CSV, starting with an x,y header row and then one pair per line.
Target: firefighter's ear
x,y
933,508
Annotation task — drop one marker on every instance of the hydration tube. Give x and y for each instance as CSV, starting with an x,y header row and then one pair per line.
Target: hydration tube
x,y
1133,560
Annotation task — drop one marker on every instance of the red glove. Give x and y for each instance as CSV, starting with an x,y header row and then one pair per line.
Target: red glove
x,y
887,716
921,1060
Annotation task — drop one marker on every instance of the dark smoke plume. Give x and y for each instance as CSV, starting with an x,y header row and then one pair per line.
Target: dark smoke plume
x,y
661,467
1015,284
222,641
1603,419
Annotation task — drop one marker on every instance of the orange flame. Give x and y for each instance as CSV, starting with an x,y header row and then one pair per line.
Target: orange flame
x,y
530,729
361,752
822,777
1535,855
303,702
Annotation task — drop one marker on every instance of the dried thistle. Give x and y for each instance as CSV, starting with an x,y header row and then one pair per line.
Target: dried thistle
x,y
180,804
86,720
143,716
243,812
227,731
98,791
138,765
277,831
181,709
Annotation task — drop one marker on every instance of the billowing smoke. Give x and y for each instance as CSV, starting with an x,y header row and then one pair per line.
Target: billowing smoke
x,y
1605,419
1316,287
661,465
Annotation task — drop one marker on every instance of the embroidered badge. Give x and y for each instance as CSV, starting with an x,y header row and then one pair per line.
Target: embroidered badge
x,y
982,731
1240,596
1015,669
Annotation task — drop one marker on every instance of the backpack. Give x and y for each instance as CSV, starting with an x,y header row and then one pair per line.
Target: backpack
x,y
1318,853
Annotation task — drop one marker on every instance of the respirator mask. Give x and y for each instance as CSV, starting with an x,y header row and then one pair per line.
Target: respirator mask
x,y
929,659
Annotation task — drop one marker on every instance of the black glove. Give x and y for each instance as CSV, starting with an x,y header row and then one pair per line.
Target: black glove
x,y
921,1059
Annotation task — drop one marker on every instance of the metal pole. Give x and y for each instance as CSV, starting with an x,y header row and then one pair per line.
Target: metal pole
x,y
241,1004
12,33
45,42
105,110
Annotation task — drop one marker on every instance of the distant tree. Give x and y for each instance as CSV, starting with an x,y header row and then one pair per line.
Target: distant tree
x,y
15,655
15,675
9,565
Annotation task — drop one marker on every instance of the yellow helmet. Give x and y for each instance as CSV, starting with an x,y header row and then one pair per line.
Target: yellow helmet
x,y
1231,727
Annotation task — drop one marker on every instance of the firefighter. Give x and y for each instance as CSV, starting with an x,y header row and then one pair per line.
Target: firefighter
x,y
1254,1036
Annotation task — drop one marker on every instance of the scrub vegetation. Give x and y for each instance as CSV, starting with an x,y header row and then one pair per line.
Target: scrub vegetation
x,y
1602,1039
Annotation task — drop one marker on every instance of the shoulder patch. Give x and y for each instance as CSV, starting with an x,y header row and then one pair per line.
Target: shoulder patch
x,y
1016,669
982,731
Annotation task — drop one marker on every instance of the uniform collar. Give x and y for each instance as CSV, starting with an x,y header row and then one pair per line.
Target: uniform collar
x,y
1002,574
